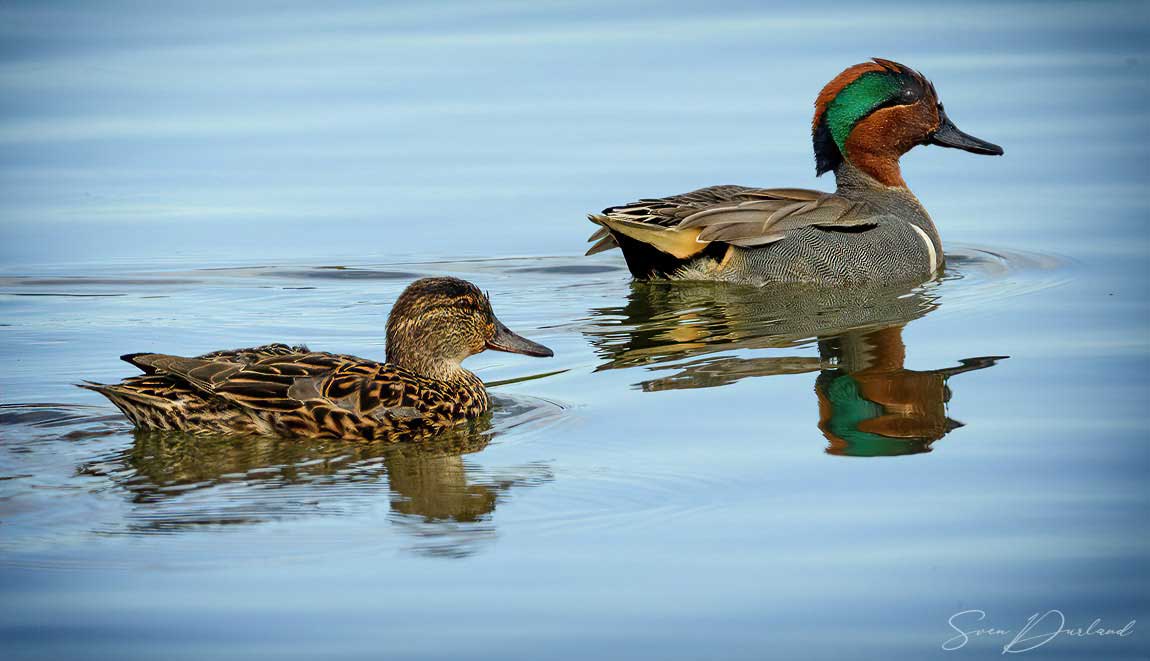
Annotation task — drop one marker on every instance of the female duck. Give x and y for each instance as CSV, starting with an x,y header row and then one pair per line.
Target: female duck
x,y
282,390
872,229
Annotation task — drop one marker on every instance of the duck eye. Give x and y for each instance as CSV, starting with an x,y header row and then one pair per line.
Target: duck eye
x,y
909,95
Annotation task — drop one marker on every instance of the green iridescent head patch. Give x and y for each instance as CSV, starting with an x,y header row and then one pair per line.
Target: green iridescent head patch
x,y
859,99
887,85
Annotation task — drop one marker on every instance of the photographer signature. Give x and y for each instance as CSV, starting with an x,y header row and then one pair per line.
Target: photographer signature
x,y
1040,629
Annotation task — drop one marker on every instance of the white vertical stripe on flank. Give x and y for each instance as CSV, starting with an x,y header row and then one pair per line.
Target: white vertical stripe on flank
x,y
929,248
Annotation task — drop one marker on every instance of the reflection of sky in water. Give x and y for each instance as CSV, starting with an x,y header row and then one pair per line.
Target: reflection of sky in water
x,y
392,124
139,143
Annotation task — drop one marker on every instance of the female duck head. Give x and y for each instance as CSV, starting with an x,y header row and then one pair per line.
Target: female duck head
x,y
438,322
873,113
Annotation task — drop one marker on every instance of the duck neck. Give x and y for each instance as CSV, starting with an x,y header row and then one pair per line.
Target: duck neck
x,y
462,384
897,201
884,169
853,177
856,184
430,367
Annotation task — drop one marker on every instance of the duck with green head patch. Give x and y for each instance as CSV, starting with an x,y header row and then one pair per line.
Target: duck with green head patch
x,y
872,229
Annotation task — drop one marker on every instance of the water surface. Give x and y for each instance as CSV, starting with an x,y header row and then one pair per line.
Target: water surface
x,y
702,471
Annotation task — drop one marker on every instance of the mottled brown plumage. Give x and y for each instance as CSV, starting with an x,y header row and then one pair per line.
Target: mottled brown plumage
x,y
291,391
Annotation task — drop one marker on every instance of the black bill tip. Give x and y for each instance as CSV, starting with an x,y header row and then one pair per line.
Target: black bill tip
x,y
507,340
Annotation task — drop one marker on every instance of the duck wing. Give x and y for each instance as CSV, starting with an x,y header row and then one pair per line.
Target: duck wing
x,y
309,384
684,225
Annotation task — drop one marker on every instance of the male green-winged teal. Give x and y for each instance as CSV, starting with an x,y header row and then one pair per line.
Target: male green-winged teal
x,y
291,391
871,229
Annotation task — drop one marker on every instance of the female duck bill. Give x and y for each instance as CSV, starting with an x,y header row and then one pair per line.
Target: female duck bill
x,y
507,340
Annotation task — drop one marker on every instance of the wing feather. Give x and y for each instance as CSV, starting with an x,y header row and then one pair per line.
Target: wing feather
x,y
606,243
683,225
671,240
599,234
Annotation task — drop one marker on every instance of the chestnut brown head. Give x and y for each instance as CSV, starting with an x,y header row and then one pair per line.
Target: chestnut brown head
x,y
438,322
873,113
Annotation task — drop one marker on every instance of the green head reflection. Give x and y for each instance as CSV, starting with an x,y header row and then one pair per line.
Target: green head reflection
x,y
872,406
705,335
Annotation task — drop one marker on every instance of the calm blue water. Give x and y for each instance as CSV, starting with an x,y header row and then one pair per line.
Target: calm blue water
x,y
701,471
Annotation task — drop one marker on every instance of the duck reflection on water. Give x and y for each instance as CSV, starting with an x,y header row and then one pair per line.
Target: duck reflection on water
x,y
869,403
435,493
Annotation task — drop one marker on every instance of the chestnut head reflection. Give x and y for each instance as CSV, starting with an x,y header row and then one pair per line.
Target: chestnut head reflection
x,y
869,404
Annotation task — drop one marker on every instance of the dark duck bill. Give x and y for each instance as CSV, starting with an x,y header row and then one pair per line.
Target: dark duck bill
x,y
949,135
507,340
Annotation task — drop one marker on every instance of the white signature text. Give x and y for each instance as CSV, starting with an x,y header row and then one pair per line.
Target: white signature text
x,y
1039,629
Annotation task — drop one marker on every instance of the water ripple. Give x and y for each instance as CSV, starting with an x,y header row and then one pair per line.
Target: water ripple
x,y
163,484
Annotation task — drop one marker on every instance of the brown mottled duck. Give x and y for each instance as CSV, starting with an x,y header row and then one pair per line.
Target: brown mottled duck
x,y
290,391
871,230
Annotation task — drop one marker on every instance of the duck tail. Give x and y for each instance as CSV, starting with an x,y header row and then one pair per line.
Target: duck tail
x,y
603,238
140,408
652,251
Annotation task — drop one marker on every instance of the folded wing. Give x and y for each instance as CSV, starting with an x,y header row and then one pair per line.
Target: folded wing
x,y
285,382
685,225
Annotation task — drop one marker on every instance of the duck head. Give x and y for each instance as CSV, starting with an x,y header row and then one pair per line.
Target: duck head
x,y
438,322
873,113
